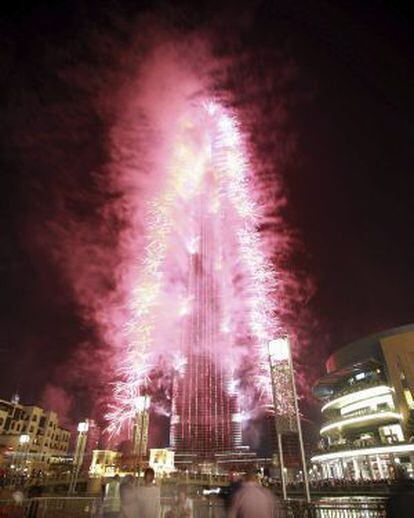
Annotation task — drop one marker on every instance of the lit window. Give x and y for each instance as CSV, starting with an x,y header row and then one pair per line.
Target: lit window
x,y
391,433
409,398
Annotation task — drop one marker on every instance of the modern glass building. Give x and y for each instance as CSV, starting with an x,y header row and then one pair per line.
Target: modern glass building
x,y
367,408
204,420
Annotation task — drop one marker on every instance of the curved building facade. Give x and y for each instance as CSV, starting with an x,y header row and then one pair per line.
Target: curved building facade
x,y
367,408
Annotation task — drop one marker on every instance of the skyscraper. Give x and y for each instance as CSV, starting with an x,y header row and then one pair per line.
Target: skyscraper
x,y
204,414
203,302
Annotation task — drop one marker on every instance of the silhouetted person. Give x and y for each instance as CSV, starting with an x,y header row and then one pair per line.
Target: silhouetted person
x,y
234,486
129,498
401,503
183,505
253,501
148,497
112,502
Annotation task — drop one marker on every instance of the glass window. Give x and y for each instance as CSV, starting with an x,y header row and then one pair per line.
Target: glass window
x,y
391,433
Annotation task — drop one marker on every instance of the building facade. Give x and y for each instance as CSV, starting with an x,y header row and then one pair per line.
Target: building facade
x,y
30,436
205,420
105,463
368,409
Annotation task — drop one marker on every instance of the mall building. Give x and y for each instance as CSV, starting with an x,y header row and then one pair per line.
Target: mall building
x,y
367,409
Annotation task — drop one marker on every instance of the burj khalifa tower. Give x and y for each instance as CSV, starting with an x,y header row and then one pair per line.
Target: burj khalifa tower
x,y
205,419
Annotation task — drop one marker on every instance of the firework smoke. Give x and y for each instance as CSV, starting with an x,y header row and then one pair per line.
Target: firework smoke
x,y
108,233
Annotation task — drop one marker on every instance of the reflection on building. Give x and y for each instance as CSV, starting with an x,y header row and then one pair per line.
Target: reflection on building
x,y
367,409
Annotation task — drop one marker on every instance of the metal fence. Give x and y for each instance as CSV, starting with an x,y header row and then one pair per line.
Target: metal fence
x,y
359,509
82,507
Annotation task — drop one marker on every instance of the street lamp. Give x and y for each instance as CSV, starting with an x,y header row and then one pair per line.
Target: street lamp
x,y
276,350
24,440
279,349
83,428
280,360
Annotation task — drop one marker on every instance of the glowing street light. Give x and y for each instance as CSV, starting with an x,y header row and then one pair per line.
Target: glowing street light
x,y
24,439
279,349
83,428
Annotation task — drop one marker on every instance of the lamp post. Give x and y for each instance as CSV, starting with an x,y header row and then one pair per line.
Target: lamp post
x,y
280,356
272,352
142,404
83,428
24,440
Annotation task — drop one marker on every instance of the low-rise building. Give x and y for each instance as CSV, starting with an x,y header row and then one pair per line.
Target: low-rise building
x,y
368,408
30,435
105,463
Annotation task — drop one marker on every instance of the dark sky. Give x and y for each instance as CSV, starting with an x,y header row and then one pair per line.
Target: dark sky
x,y
348,179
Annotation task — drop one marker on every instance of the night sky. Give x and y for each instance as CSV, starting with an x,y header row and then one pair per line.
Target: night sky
x,y
341,76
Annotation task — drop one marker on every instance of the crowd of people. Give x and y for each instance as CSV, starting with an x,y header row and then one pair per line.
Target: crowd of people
x,y
245,498
126,499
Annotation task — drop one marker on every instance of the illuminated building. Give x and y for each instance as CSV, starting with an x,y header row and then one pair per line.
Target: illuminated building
x,y
161,460
141,426
204,415
46,439
367,408
104,463
206,422
203,306
92,442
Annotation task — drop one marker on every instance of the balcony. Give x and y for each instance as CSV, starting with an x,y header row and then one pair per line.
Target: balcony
x,y
349,450
361,390
360,418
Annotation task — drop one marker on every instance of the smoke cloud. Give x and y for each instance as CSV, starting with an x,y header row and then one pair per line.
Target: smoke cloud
x,y
105,140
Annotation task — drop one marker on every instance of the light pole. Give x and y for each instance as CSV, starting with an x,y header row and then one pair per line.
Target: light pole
x,y
83,428
24,440
280,359
272,352
142,404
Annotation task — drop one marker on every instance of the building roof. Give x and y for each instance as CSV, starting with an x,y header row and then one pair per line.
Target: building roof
x,y
324,385
362,349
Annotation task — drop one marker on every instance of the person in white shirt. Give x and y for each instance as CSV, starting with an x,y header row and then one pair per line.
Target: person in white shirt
x,y
184,506
112,502
129,502
148,497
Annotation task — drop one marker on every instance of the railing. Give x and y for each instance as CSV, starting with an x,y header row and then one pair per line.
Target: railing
x,y
75,507
336,417
357,386
354,445
361,509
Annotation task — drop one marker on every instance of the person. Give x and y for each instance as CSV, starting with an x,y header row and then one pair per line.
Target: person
x,y
128,496
112,502
184,505
401,503
148,497
253,501
235,484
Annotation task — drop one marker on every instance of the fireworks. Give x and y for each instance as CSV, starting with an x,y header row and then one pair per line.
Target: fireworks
x,y
207,179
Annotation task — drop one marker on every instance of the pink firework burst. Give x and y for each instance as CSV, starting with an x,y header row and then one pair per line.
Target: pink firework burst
x,y
204,282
